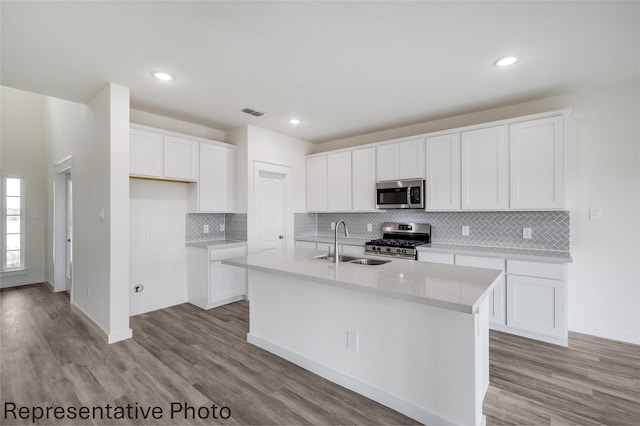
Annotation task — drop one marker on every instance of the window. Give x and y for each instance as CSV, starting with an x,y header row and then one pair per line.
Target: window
x,y
13,221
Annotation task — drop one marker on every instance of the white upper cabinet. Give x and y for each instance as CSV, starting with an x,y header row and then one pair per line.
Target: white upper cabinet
x,y
536,150
443,172
180,158
363,174
485,169
316,184
339,181
401,160
146,153
216,183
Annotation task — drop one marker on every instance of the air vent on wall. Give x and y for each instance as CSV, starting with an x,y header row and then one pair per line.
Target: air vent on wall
x,y
253,112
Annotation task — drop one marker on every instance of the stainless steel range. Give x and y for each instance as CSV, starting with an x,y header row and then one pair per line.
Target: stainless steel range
x,y
400,240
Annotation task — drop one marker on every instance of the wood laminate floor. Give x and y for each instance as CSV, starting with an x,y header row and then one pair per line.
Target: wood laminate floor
x,y
50,357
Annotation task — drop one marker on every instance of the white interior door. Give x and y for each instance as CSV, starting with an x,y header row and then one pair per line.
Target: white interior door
x,y
270,190
69,235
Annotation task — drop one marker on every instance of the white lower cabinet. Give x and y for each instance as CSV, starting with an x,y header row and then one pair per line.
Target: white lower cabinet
x,y
212,284
531,301
498,296
537,300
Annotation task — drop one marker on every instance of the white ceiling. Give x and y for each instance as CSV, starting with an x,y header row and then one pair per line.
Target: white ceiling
x,y
344,68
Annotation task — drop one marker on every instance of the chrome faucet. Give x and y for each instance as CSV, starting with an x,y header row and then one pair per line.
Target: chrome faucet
x,y
335,240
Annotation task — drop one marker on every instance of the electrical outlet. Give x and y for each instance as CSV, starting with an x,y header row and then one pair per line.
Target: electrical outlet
x,y
333,226
149,235
222,228
369,227
595,212
205,228
352,341
527,233
465,231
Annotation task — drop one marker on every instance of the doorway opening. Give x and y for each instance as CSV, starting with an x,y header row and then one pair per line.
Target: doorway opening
x,y
63,227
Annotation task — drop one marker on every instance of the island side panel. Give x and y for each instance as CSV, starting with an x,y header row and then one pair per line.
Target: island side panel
x,y
423,361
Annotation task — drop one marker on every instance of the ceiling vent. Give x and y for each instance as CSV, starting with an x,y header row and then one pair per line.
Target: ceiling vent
x,y
253,112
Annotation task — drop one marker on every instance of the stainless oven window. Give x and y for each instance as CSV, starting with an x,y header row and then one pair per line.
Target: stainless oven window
x,y
392,196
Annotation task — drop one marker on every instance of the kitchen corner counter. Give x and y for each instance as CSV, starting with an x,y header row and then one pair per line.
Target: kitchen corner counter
x,y
548,256
216,244
457,288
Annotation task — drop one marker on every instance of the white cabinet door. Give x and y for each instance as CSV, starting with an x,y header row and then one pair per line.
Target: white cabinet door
x,y
227,283
180,158
363,174
498,296
316,174
535,305
146,153
411,159
401,160
536,150
339,181
386,162
443,172
216,186
485,169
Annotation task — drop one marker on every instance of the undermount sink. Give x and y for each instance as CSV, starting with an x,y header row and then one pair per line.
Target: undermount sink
x,y
370,262
342,258
356,260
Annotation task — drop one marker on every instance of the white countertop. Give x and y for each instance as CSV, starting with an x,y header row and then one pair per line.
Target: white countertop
x,y
507,253
217,244
457,288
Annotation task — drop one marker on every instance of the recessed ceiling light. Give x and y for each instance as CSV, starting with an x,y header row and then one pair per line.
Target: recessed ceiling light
x,y
506,61
295,121
163,76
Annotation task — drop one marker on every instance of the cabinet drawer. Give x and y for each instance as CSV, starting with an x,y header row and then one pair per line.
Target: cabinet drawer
x,y
226,253
436,257
306,244
480,262
352,249
536,269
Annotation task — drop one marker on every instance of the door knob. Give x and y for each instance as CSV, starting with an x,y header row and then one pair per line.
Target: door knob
x,y
280,237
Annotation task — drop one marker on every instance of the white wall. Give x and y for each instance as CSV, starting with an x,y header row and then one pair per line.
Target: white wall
x,y
167,123
97,137
603,169
23,154
275,148
157,237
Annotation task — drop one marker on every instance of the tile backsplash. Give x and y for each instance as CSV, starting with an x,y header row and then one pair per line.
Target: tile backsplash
x,y
551,229
235,226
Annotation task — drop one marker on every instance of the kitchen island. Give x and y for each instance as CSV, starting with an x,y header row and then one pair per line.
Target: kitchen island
x,y
410,335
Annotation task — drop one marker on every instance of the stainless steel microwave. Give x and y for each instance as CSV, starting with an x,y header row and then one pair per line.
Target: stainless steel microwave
x,y
400,194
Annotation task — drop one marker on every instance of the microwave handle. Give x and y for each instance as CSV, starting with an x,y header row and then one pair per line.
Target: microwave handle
x,y
409,196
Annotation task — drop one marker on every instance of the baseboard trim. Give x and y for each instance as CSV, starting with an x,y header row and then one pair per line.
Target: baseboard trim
x,y
411,410
605,333
156,306
107,337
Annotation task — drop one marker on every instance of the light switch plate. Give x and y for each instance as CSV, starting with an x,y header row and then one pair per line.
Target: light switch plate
x,y
369,227
527,233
